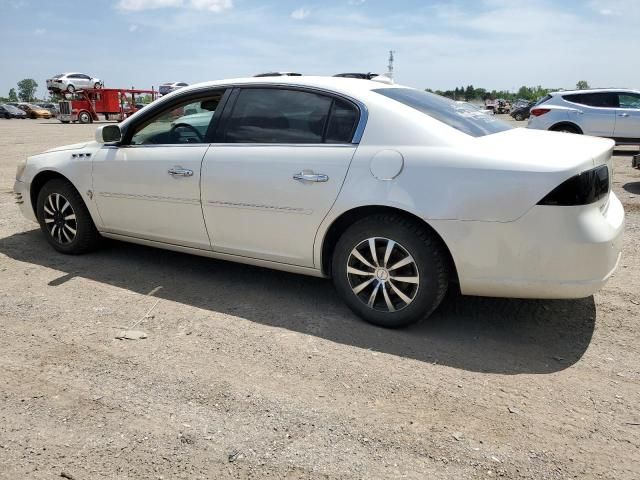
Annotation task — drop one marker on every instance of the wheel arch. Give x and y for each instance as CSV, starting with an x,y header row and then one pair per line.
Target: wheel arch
x,y
39,181
566,123
347,218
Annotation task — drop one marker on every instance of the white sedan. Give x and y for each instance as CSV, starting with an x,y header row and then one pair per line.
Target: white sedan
x,y
394,193
70,82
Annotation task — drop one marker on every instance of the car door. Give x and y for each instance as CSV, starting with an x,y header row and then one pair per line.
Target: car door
x,y
628,116
275,171
595,113
149,186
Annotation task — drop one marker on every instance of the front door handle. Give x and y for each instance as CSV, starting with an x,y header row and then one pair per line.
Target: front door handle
x,y
180,172
311,177
623,114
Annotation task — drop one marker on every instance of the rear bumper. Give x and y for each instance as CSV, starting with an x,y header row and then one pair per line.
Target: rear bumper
x,y
23,199
551,252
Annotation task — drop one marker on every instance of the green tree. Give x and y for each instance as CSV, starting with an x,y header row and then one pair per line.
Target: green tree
x,y
27,89
582,85
13,97
469,93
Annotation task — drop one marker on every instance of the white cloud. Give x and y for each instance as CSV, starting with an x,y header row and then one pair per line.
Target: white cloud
x,y
209,5
133,28
356,2
137,5
212,5
300,13
40,31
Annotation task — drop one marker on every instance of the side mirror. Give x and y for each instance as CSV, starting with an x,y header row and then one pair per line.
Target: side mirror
x,y
108,134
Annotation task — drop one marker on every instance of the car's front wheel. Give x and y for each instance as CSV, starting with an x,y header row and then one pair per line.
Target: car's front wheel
x,y
71,88
390,270
65,219
518,117
84,117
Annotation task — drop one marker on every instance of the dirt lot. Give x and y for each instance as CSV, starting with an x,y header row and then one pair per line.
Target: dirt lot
x,y
251,373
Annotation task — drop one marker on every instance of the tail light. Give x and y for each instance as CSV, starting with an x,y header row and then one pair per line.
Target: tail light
x,y
536,112
583,189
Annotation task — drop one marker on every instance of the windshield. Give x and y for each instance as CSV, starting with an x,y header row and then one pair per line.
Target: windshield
x,y
462,117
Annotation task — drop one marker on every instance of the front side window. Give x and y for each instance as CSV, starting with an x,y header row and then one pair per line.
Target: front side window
x,y
457,115
270,115
181,124
629,100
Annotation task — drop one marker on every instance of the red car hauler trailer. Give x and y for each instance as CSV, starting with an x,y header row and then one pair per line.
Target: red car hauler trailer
x,y
84,106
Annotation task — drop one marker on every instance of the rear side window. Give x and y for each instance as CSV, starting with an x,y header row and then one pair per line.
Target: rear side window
x,y
342,122
270,115
602,99
629,100
462,117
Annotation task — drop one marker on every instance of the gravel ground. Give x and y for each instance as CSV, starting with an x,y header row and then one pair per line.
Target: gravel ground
x,y
252,373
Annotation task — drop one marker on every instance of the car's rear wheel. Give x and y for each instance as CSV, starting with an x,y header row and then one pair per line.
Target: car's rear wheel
x,y
390,270
65,219
566,128
518,117
97,85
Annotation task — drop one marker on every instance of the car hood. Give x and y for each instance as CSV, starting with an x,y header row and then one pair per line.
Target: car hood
x,y
75,146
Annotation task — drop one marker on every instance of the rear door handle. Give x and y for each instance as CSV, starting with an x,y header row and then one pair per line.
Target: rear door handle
x,y
623,114
180,172
311,177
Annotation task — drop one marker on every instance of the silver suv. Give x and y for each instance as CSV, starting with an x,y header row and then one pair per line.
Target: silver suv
x,y
612,113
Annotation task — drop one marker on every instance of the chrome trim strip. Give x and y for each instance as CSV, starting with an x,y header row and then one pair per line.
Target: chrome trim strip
x,y
254,206
155,198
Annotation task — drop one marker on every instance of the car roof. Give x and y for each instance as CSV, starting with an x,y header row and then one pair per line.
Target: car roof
x,y
348,86
594,90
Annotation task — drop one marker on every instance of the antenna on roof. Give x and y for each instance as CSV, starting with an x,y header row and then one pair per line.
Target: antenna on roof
x,y
390,65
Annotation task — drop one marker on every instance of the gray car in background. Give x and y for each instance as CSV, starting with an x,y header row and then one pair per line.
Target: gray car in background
x,y
170,87
607,112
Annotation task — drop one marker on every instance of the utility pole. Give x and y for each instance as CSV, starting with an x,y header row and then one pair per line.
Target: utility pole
x,y
390,65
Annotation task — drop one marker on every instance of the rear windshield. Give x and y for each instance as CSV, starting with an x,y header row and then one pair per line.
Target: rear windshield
x,y
462,117
546,98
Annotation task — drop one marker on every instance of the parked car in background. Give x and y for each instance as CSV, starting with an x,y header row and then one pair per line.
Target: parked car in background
x,y
170,87
521,111
52,107
607,112
70,82
34,111
363,76
9,111
278,74
471,106
393,192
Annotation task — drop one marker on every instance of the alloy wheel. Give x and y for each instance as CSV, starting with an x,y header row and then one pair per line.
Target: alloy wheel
x,y
383,274
60,219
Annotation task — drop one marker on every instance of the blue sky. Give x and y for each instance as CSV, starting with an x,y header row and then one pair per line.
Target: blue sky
x,y
500,44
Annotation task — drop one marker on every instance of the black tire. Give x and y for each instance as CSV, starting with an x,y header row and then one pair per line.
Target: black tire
x,y
84,117
566,128
71,88
97,85
518,117
429,266
85,238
